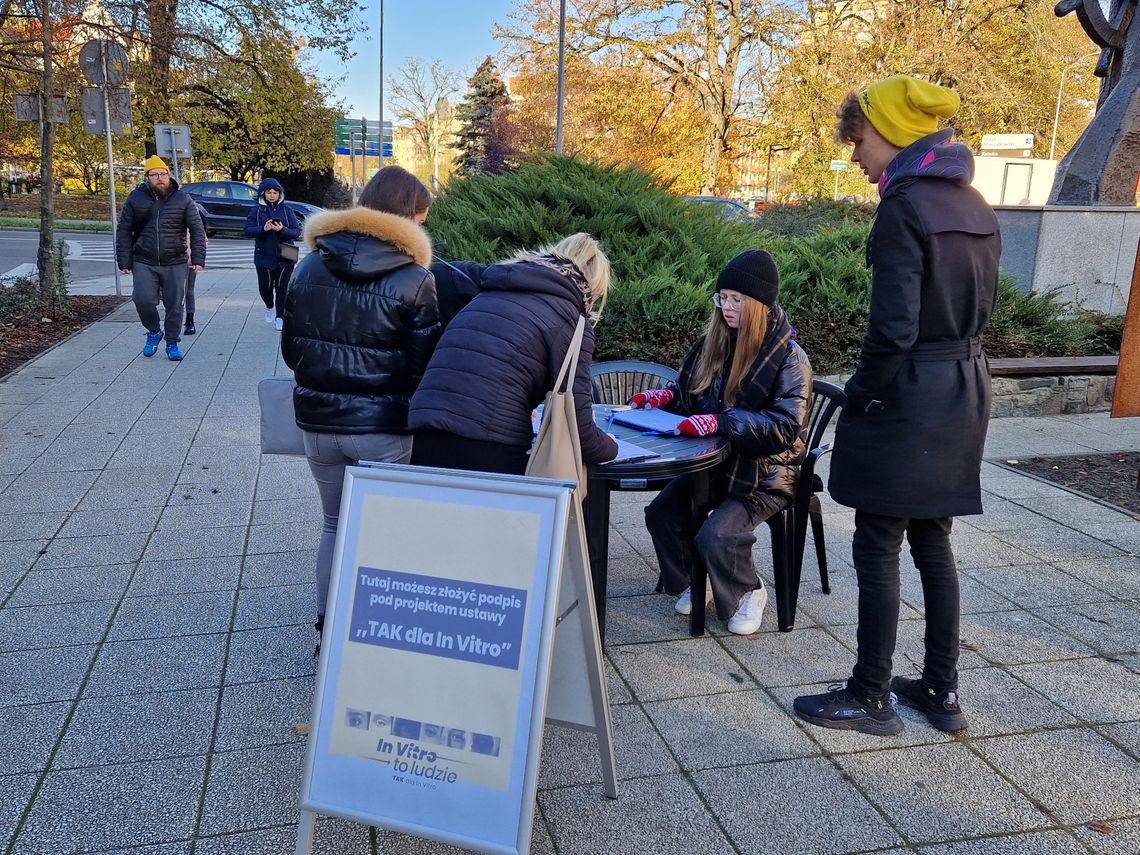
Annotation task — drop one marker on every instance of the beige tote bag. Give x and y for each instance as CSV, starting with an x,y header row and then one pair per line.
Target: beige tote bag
x,y
557,452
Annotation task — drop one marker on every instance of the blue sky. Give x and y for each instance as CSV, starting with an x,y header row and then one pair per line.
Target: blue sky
x,y
458,32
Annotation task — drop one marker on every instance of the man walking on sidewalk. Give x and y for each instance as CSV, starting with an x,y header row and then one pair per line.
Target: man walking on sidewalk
x,y
152,245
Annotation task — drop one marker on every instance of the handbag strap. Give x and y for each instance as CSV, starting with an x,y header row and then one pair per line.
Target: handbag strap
x,y
570,363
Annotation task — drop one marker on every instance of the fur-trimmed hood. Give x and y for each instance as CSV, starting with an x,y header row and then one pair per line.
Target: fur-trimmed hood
x,y
406,235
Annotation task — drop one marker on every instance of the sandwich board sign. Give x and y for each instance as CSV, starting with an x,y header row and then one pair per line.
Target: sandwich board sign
x,y
460,621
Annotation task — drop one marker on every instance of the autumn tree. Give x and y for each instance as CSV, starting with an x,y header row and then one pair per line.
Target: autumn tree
x,y
716,52
482,116
614,114
197,34
1003,57
272,116
28,62
420,94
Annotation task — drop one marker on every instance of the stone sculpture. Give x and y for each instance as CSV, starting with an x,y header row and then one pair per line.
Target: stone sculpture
x,y
1102,167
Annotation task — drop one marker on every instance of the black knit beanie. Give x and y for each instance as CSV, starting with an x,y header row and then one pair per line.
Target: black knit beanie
x,y
752,273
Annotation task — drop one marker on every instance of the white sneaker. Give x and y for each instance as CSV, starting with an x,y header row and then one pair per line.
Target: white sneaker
x,y
278,324
270,316
684,604
749,613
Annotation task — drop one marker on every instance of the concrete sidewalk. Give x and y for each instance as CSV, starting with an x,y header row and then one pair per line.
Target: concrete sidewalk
x,y
156,641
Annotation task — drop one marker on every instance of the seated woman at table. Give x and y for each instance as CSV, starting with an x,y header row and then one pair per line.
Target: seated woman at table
x,y
747,380
501,354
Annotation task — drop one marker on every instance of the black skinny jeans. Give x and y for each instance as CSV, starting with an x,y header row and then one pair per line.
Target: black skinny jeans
x,y
271,284
875,550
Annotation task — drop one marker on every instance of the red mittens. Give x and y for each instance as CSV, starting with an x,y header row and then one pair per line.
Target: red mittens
x,y
698,425
651,399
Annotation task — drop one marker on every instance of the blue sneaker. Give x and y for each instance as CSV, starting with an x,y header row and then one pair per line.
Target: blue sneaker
x,y
173,353
153,339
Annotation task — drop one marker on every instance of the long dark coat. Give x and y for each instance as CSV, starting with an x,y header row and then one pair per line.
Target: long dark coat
x,y
909,442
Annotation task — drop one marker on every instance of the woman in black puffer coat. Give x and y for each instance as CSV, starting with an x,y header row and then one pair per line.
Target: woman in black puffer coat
x,y
501,355
361,322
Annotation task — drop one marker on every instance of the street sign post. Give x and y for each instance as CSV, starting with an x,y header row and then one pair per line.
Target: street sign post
x,y
173,141
1006,145
837,166
106,109
103,62
28,108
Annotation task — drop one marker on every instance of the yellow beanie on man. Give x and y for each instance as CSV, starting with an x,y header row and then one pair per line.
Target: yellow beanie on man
x,y
154,162
904,109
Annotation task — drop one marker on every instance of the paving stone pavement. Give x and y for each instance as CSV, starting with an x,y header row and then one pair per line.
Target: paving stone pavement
x,y
155,647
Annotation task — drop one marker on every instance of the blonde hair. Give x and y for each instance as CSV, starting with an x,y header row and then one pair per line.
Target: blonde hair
x,y
749,337
587,255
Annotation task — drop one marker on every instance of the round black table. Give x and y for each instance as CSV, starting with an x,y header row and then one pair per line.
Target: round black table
x,y
677,455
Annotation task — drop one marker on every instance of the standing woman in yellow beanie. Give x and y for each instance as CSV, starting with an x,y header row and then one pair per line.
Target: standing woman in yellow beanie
x,y
908,444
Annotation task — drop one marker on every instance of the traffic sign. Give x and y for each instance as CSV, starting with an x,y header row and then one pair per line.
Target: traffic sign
x,y
369,151
100,55
28,108
173,141
839,166
91,103
998,142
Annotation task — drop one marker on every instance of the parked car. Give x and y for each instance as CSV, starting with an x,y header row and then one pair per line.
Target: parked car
x,y
224,205
729,209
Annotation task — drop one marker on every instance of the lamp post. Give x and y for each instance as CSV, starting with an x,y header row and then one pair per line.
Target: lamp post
x,y
561,74
1060,89
768,171
380,140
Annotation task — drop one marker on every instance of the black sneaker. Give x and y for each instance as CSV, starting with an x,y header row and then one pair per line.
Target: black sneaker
x,y
189,328
840,709
319,624
941,708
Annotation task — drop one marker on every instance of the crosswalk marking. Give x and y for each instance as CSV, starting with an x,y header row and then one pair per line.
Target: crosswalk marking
x,y
218,253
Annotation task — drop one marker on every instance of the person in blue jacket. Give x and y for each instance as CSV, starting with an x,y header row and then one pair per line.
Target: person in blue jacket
x,y
271,224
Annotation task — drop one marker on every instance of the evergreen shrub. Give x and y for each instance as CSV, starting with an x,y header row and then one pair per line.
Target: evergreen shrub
x,y
666,254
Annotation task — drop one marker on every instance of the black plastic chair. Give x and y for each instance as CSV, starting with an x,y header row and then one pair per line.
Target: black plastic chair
x,y
617,382
790,525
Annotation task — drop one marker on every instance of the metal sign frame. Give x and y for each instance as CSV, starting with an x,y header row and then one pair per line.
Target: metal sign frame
x,y
534,549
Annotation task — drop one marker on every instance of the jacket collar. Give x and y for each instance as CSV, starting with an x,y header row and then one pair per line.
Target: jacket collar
x,y
935,155
405,234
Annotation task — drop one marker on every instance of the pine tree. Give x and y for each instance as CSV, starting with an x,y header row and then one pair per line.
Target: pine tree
x,y
482,116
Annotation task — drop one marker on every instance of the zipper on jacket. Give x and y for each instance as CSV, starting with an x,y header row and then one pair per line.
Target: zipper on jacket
x,y
158,232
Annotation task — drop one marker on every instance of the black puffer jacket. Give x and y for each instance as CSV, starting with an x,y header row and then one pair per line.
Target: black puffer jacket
x,y
152,229
501,355
361,321
767,433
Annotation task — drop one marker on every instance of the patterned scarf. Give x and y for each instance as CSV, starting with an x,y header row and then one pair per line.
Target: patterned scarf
x,y
566,267
761,377
934,156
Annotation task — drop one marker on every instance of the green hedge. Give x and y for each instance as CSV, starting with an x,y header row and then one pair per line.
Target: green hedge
x,y
666,254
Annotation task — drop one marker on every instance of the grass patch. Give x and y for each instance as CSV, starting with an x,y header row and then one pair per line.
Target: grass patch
x,y
65,225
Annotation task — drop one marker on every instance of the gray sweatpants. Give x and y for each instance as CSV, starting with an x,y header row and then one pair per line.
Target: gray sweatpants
x,y
191,278
167,283
329,454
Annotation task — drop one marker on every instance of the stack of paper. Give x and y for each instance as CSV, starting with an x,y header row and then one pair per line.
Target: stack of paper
x,y
646,420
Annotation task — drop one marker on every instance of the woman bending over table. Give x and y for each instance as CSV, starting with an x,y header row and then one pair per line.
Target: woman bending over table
x,y
502,353
747,380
